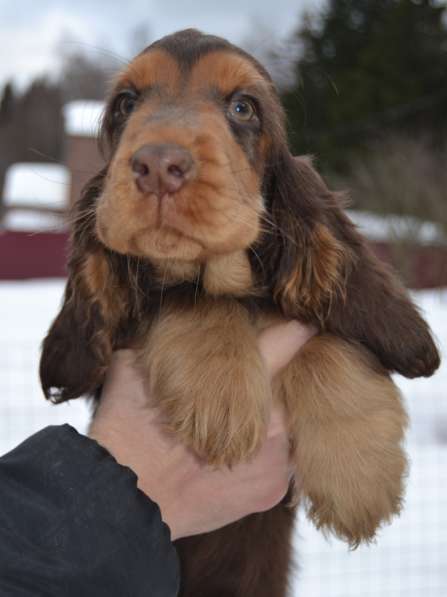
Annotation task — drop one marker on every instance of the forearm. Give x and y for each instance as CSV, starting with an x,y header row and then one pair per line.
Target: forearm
x,y
72,522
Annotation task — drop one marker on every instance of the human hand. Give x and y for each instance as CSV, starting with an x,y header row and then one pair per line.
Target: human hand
x,y
194,497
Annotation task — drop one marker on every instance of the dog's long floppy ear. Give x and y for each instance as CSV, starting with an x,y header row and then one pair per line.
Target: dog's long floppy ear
x,y
307,264
79,344
323,271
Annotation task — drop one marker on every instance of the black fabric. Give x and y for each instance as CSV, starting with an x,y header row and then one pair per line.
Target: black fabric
x,y
74,524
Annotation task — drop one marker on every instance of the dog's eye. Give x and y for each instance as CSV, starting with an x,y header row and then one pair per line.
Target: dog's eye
x,y
124,104
242,109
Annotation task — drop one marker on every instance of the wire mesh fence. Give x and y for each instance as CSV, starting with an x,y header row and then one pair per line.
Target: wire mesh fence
x,y
409,558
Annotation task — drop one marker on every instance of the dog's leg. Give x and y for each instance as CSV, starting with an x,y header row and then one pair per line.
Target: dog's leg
x,y
207,376
250,558
347,422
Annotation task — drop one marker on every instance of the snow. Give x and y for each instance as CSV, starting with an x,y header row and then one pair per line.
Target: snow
x,y
26,310
83,118
37,185
391,228
410,556
33,221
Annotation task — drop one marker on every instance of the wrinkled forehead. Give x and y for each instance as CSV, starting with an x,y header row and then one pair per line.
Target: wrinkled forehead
x,y
218,71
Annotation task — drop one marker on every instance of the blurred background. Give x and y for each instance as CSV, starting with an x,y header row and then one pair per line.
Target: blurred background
x,y
364,83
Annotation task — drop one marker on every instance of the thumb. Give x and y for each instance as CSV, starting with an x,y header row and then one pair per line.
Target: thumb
x,y
279,343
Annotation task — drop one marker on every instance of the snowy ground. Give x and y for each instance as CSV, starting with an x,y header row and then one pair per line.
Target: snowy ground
x,y
410,557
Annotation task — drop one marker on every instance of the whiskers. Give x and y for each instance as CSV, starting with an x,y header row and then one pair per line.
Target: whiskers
x,y
82,222
258,258
196,284
163,286
133,274
262,220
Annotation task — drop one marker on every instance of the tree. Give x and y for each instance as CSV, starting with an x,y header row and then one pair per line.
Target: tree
x,y
86,77
40,132
7,104
139,38
367,67
31,125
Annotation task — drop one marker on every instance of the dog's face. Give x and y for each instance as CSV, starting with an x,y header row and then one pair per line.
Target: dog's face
x,y
191,124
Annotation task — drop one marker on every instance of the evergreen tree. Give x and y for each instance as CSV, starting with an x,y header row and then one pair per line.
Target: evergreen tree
x,y
41,131
7,104
367,67
31,126
7,149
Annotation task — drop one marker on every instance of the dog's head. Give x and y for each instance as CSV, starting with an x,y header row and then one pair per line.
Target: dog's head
x,y
191,123
199,186
199,165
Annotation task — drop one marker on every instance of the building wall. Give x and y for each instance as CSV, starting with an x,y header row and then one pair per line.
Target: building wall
x,y
43,255
32,255
418,266
84,160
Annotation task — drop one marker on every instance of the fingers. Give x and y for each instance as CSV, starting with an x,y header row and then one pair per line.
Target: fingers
x,y
124,379
279,343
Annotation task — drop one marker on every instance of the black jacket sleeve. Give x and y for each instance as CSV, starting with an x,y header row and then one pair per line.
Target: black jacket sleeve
x,y
74,524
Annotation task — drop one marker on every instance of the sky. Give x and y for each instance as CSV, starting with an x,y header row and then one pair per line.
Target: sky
x,y
34,34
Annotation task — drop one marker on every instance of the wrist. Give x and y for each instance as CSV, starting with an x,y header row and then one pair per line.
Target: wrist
x,y
162,484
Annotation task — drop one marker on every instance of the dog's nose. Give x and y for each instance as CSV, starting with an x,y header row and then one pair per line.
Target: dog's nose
x,y
161,169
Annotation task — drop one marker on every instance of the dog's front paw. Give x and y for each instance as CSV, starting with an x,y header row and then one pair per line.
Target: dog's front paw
x,y
352,477
358,501
352,473
222,428
347,426
208,378
220,413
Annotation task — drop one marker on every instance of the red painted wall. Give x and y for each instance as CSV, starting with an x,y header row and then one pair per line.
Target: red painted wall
x,y
32,254
421,266
43,255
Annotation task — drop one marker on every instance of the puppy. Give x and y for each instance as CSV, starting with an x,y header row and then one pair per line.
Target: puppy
x,y
201,230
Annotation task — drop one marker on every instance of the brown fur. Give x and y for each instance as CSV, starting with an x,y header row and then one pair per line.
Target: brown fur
x,y
228,274
254,237
146,71
317,277
352,416
182,365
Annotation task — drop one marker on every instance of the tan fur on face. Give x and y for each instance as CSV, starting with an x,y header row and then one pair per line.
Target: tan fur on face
x,y
229,274
215,213
154,68
347,422
223,275
170,271
227,72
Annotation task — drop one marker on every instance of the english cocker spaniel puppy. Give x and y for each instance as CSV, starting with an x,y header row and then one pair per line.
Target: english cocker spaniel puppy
x,y
201,230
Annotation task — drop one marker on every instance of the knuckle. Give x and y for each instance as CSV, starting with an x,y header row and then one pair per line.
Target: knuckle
x,y
272,495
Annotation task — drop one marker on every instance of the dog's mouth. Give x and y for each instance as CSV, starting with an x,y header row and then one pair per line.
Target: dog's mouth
x,y
192,224
159,239
166,242
188,200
